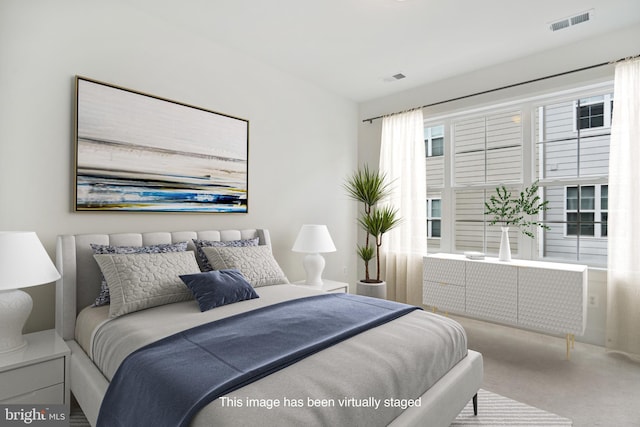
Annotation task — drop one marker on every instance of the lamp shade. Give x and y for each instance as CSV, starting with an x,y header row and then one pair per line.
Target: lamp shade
x,y
23,261
314,239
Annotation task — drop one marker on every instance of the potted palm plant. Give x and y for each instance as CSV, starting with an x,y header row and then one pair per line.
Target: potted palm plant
x,y
370,187
514,211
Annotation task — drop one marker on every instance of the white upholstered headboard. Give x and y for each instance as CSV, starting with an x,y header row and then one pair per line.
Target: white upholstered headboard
x,y
79,283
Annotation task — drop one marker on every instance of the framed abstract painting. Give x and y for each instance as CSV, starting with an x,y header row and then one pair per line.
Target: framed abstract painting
x,y
137,152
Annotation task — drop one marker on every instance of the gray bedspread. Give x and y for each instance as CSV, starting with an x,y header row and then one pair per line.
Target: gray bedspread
x,y
366,380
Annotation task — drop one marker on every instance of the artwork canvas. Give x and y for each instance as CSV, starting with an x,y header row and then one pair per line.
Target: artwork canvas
x,y
136,152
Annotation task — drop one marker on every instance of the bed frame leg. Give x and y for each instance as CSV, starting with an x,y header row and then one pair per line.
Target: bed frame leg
x,y
475,404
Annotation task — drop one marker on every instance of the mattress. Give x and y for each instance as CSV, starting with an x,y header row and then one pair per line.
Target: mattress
x,y
366,380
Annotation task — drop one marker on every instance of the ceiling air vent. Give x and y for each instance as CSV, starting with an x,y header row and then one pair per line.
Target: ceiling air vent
x,y
560,25
583,17
394,78
571,21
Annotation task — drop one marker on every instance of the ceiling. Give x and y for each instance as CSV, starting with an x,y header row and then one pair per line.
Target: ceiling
x,y
353,47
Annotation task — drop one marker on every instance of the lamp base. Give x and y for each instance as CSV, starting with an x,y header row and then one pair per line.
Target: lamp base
x,y
313,264
15,307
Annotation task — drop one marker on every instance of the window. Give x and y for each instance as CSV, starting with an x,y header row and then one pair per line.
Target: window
x,y
586,210
581,210
434,218
488,148
573,169
591,115
604,210
487,152
593,112
561,140
434,141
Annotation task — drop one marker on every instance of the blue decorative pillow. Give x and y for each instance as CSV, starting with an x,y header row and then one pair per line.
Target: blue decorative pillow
x,y
104,297
218,287
202,258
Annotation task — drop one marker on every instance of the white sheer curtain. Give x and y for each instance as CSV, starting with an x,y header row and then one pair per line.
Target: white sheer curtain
x,y
402,159
623,284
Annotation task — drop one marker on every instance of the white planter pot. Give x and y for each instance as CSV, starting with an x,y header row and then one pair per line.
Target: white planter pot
x,y
376,290
505,249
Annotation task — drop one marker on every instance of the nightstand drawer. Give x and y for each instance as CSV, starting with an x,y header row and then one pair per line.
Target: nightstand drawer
x,y
30,378
53,395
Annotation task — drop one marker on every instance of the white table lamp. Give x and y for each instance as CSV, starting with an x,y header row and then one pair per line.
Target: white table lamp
x,y
313,240
23,263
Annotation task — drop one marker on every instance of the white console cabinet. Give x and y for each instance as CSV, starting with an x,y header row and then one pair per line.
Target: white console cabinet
x,y
545,296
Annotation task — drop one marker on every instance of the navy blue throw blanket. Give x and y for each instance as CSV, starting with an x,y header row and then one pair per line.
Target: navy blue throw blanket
x,y
167,382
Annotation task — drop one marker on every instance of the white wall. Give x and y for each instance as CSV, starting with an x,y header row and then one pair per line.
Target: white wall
x,y
302,138
588,52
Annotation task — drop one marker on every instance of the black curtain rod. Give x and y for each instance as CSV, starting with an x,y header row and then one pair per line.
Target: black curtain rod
x,y
370,120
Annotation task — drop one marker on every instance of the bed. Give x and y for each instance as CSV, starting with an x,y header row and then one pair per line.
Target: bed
x,y
396,363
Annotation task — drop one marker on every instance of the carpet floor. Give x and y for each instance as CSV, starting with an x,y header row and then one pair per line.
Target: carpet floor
x,y
496,410
493,410
593,389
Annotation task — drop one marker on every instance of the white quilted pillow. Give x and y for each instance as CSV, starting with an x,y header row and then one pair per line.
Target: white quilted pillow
x,y
139,281
256,263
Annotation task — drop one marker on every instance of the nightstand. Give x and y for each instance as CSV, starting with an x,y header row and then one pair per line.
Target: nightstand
x,y
37,373
327,286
